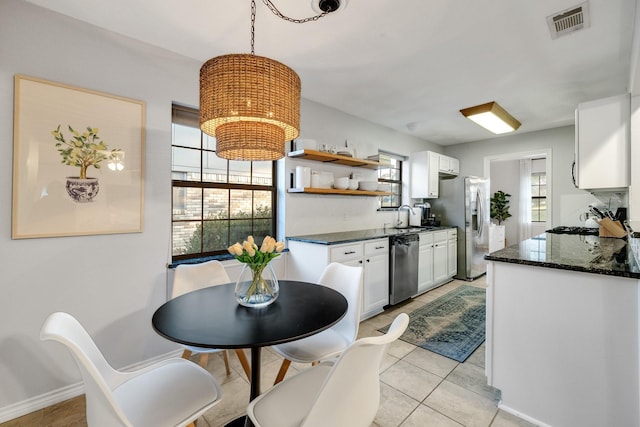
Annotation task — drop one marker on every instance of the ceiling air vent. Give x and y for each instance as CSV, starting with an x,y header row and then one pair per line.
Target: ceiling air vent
x,y
569,20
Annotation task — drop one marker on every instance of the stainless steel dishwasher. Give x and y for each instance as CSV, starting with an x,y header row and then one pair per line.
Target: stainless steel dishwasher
x,y
403,273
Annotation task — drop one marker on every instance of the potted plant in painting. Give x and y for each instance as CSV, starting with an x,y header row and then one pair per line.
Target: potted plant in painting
x,y
499,211
83,150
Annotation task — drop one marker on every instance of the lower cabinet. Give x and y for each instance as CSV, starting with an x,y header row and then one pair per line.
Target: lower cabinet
x,y
440,255
438,258
308,260
437,264
452,252
425,264
376,277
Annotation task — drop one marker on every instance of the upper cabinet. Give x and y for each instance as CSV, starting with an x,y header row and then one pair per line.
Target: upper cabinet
x,y
424,175
427,168
602,157
448,166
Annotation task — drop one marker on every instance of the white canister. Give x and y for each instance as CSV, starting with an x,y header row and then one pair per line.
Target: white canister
x,y
303,176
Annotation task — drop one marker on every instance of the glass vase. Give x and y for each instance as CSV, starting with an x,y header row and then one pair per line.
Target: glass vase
x,y
257,286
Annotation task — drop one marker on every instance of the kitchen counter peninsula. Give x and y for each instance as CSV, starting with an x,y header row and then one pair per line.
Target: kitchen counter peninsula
x,y
562,330
589,254
358,235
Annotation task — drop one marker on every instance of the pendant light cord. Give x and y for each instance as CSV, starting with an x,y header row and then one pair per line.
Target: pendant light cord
x,y
253,25
279,14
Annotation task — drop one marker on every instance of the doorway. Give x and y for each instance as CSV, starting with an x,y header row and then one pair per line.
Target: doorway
x,y
529,184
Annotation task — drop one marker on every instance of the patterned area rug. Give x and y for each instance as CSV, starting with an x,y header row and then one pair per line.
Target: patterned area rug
x,y
452,325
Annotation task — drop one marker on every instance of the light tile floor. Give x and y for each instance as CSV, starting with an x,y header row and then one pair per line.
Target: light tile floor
x,y
418,388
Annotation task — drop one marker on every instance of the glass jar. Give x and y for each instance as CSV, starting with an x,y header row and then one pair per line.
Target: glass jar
x,y
257,286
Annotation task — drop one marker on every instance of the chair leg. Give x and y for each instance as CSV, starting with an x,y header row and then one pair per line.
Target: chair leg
x,y
186,354
282,371
244,362
225,356
204,358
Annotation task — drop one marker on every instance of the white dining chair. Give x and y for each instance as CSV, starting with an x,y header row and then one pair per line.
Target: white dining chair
x,y
329,343
192,277
344,393
173,392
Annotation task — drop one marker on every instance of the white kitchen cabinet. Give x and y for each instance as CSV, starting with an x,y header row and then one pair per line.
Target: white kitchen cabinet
x,y
455,166
427,168
602,143
376,276
452,252
448,166
437,261
424,174
425,262
440,257
308,260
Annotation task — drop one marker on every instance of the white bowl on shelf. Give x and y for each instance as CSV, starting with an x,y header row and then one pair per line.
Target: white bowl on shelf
x,y
368,185
341,183
353,184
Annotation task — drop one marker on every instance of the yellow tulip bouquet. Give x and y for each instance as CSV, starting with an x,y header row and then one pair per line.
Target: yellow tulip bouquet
x,y
259,292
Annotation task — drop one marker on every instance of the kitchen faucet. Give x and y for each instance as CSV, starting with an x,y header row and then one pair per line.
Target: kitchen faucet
x,y
398,222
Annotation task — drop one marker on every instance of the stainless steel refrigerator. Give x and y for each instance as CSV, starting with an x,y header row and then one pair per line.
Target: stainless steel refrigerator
x,y
464,203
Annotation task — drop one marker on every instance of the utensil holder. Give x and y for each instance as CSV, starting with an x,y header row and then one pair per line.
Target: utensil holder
x,y
609,228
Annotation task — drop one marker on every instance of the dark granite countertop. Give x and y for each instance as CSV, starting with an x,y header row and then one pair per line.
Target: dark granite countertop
x,y
354,236
589,254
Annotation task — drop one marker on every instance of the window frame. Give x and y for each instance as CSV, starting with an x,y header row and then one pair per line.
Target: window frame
x,y
538,198
391,182
189,117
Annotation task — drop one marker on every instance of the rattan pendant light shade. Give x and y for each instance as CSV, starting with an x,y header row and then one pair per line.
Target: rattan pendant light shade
x,y
251,104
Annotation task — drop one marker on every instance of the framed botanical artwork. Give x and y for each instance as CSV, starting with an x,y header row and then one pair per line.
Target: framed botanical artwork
x,y
78,161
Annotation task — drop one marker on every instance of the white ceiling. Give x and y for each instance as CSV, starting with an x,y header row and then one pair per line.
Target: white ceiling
x,y
410,65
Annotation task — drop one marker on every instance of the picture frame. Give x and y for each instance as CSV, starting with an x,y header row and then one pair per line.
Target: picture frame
x,y
78,161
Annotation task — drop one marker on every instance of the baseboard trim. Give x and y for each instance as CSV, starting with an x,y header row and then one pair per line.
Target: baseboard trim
x,y
28,406
50,398
521,415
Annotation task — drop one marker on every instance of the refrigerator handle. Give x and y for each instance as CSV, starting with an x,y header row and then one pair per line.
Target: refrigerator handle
x,y
480,213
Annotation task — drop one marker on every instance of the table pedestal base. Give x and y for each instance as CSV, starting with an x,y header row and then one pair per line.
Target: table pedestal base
x,y
244,421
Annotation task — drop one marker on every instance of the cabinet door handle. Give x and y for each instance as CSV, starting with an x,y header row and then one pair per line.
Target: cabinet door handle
x,y
368,260
380,247
350,252
360,261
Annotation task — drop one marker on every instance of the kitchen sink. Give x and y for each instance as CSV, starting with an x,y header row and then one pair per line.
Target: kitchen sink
x,y
409,229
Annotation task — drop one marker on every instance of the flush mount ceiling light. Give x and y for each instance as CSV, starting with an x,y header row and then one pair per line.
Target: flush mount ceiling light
x,y
492,117
250,103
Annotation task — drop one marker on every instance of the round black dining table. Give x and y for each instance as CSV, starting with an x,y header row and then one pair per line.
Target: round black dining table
x,y
212,318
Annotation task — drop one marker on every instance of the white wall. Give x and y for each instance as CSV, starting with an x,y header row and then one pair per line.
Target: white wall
x,y
309,214
567,201
114,283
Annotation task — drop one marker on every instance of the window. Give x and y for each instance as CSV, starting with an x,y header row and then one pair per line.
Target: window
x,y
391,174
215,202
539,197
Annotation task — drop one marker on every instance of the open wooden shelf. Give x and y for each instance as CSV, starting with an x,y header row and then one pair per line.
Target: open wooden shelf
x,y
336,159
311,190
